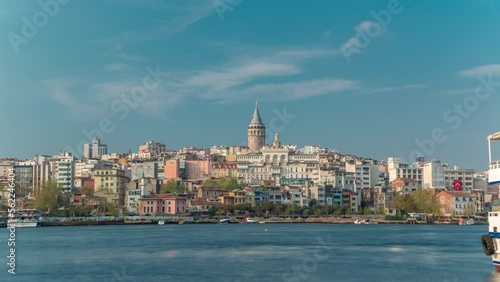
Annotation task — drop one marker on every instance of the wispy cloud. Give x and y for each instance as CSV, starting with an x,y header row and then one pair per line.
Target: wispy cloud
x,y
493,69
220,80
362,27
373,90
187,13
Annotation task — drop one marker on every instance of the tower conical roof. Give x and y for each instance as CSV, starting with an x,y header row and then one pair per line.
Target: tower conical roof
x,y
256,116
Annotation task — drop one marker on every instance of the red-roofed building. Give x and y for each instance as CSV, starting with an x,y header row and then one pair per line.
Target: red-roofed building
x,y
457,203
227,169
162,204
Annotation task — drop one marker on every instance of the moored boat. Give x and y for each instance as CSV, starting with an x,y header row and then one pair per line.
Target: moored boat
x,y
25,218
252,220
224,221
161,222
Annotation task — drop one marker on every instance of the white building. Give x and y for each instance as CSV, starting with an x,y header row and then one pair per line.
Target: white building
x,y
398,170
433,175
153,148
464,175
63,170
366,173
95,149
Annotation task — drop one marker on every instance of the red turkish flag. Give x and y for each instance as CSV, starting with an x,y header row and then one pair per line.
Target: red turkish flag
x,y
457,185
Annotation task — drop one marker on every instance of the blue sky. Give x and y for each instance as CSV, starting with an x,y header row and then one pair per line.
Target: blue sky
x,y
217,57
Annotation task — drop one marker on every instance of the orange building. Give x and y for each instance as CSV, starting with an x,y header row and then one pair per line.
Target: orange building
x,y
172,170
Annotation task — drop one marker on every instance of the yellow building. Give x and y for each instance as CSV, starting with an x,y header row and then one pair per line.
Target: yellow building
x,y
240,197
110,183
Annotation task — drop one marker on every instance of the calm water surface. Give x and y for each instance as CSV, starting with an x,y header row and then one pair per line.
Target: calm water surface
x,y
250,252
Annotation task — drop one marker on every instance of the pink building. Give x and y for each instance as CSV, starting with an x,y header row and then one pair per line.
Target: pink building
x,y
162,204
198,169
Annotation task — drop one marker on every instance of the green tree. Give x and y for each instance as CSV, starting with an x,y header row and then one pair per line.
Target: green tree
x,y
380,211
305,213
213,210
337,210
47,199
173,187
398,203
367,211
210,183
425,202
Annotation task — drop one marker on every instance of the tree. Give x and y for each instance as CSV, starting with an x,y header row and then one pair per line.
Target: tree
x,y
226,183
380,211
468,211
47,199
398,203
337,210
367,211
213,210
425,202
87,191
173,187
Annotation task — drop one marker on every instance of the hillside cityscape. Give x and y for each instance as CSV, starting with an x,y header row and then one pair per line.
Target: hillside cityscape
x,y
258,178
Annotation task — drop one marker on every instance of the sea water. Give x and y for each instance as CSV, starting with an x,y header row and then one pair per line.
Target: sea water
x,y
249,252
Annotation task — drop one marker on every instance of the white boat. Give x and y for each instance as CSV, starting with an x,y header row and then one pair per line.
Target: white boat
x,y
224,221
252,220
161,222
357,221
470,222
491,241
25,218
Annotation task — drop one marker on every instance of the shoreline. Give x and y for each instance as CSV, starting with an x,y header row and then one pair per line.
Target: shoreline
x,y
321,220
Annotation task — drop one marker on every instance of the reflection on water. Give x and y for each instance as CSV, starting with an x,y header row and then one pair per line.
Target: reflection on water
x,y
494,277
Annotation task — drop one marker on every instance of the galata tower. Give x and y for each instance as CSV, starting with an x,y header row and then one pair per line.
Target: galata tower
x,y
256,131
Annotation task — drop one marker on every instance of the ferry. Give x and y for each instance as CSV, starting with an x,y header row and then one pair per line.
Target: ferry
x,y
491,241
25,218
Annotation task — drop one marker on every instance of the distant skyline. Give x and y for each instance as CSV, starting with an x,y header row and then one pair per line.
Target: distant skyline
x,y
414,71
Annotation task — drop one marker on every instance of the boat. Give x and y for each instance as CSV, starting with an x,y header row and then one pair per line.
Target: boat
x,y
25,218
470,222
224,221
161,222
252,220
491,241
357,221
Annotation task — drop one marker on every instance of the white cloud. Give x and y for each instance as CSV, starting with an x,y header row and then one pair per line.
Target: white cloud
x,y
302,89
230,77
367,27
493,69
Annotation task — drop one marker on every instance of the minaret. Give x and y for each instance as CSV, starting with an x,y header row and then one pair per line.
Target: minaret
x,y
256,131
276,143
143,186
